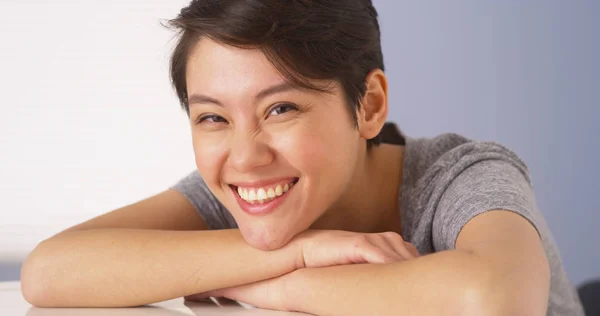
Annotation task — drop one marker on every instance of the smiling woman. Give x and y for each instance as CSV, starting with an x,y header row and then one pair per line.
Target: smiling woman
x,y
267,133
304,196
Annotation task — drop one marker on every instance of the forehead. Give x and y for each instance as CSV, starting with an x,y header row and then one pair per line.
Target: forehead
x,y
216,66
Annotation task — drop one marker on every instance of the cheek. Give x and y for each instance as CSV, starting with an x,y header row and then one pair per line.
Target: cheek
x,y
325,155
318,147
208,153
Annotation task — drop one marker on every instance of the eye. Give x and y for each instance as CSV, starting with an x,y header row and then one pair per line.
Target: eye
x,y
282,108
210,118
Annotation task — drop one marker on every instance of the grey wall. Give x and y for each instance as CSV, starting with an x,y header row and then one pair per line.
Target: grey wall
x,y
10,271
524,73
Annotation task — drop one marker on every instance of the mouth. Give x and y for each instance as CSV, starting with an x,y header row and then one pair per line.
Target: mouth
x,y
263,199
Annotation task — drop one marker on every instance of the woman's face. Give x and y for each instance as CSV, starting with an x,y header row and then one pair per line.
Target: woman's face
x,y
277,157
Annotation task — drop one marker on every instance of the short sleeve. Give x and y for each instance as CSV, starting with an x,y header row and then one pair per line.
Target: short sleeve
x,y
494,184
214,214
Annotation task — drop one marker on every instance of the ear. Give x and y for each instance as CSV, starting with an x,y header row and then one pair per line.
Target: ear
x,y
374,105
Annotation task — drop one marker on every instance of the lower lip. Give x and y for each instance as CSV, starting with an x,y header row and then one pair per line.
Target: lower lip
x,y
264,208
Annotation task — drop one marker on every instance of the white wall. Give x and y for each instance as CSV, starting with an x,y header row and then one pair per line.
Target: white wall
x,y
89,122
88,119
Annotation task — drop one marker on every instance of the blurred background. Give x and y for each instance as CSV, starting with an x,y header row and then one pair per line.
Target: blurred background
x,y
89,122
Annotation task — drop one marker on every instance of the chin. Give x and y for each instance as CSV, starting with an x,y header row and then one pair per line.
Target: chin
x,y
265,239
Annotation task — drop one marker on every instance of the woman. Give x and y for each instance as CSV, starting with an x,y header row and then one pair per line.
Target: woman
x,y
304,198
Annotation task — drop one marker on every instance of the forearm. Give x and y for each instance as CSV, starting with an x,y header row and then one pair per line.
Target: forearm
x,y
450,283
128,267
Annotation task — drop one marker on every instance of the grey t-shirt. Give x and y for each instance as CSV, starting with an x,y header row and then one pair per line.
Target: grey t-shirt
x,y
446,181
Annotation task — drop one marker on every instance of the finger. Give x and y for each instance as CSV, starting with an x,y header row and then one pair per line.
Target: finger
x,y
197,297
366,252
220,292
397,243
224,301
376,250
412,249
384,242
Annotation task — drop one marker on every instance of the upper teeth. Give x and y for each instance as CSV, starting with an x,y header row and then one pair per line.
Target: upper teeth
x,y
262,195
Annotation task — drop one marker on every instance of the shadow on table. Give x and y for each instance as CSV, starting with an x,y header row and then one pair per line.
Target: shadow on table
x,y
230,307
201,308
132,311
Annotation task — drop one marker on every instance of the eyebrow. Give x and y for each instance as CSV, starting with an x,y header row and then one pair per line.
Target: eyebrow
x,y
278,88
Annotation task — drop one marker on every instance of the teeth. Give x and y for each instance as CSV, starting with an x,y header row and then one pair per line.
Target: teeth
x,y
263,195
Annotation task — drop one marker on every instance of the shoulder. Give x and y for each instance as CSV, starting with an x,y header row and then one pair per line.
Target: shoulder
x,y
214,214
449,179
449,154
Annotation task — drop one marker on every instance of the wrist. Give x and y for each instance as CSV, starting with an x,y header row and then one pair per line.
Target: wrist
x,y
296,250
293,290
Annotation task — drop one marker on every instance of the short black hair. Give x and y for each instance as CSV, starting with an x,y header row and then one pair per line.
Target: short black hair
x,y
303,39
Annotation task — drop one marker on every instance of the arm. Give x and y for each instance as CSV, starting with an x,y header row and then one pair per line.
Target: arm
x,y
446,281
143,253
490,273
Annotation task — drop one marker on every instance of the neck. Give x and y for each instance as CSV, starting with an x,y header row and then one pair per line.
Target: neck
x,y
371,202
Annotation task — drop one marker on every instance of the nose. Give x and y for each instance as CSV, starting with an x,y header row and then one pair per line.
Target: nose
x,y
248,151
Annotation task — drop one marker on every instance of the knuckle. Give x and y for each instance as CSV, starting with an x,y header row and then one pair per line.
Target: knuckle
x,y
387,258
394,237
411,247
360,241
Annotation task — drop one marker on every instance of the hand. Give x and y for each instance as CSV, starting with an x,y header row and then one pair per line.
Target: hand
x,y
322,248
319,248
269,294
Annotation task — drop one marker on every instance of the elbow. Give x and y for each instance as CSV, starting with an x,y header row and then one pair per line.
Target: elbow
x,y
31,292
30,283
496,297
35,280
477,301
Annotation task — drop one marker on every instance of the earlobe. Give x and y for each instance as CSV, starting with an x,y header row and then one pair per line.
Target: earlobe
x,y
374,106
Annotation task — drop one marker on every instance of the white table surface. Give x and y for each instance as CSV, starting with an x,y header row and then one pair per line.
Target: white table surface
x,y
12,303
